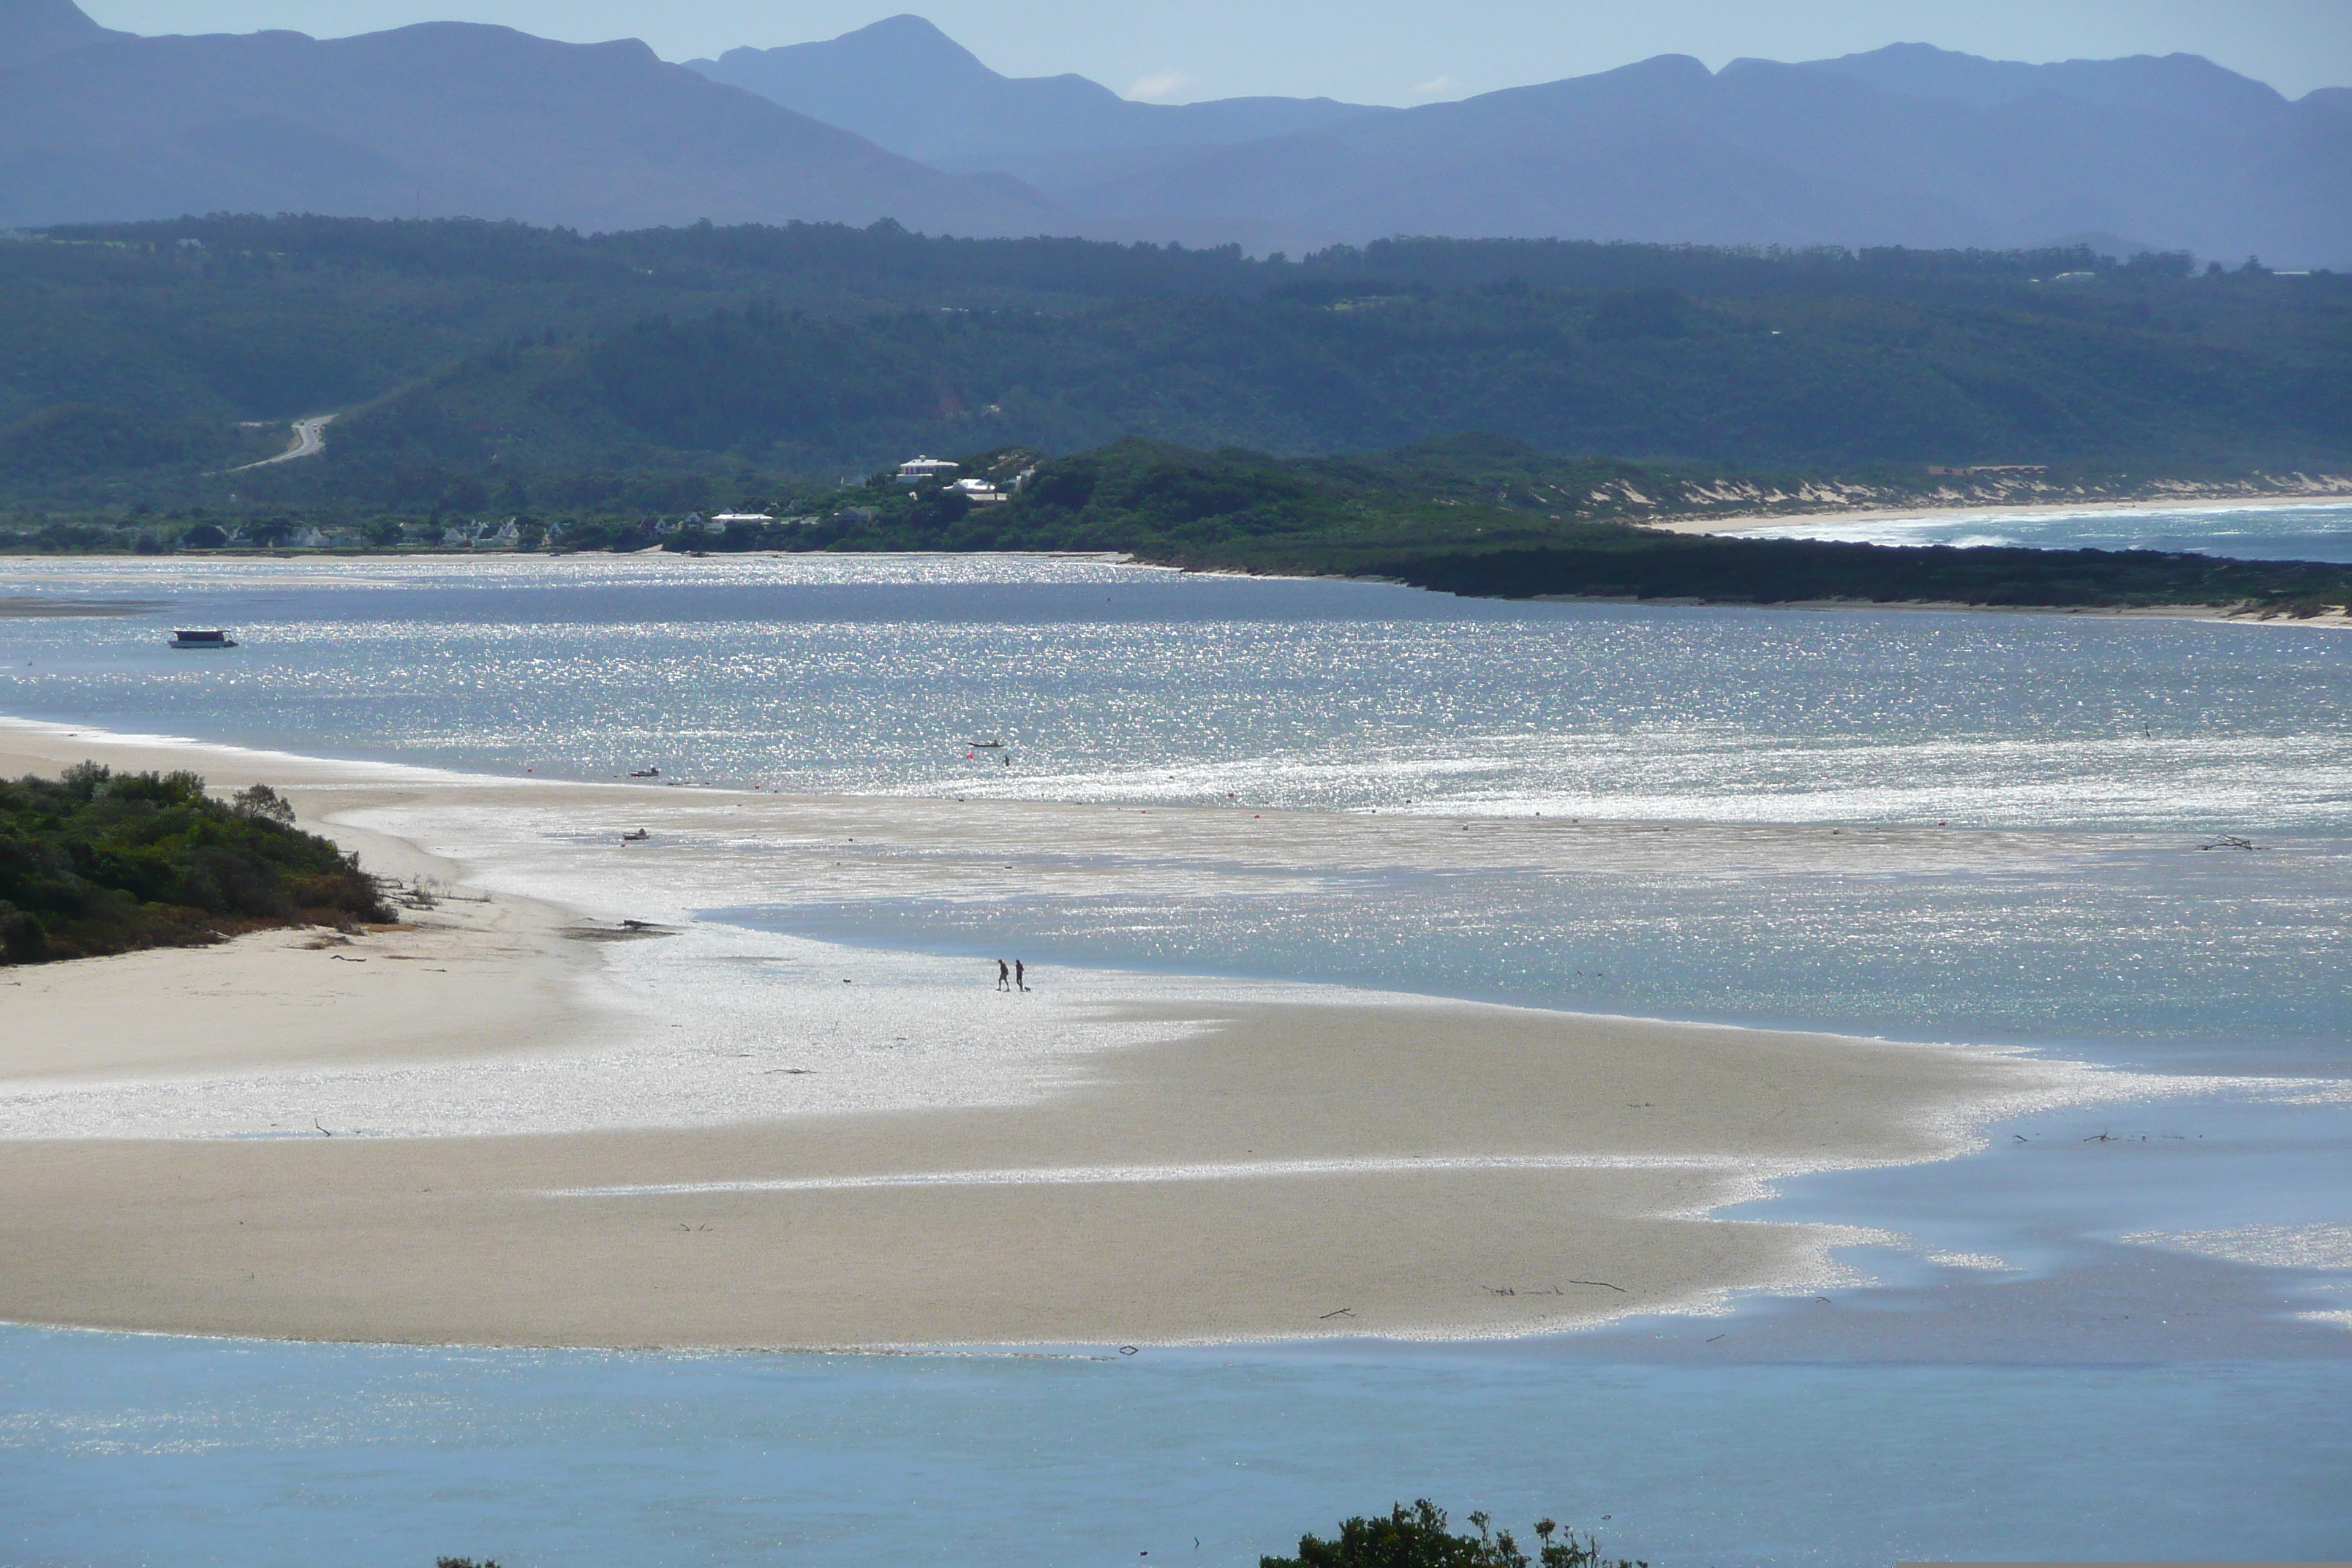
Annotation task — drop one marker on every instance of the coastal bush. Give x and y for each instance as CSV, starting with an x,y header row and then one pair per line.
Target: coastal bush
x,y
1417,1537
95,861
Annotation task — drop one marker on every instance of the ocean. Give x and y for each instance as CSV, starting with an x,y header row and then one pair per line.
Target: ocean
x,y
2147,1357
2319,530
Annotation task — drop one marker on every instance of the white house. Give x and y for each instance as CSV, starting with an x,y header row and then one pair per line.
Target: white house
x,y
980,493
312,538
919,469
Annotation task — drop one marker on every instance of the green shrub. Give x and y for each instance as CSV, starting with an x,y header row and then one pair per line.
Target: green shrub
x,y
1417,1537
95,862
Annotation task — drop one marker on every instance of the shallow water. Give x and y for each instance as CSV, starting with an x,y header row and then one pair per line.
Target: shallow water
x,y
150,1450
2142,951
2219,1431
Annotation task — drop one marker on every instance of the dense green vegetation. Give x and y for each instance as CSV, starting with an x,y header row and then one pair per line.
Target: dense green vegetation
x,y
1469,514
97,862
1418,1537
1781,571
495,366
1479,515
1494,518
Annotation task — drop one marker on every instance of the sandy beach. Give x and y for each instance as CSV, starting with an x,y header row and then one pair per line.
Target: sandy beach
x,y
1966,511
498,1124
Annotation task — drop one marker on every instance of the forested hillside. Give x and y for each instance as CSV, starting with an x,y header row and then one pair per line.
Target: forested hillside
x,y
481,364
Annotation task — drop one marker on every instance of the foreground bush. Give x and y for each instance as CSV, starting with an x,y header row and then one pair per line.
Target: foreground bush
x,y
1417,1538
96,862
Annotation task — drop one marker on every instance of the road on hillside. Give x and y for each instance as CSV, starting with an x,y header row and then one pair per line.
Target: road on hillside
x,y
309,440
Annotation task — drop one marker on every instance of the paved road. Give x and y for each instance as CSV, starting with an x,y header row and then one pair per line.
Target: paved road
x,y
309,440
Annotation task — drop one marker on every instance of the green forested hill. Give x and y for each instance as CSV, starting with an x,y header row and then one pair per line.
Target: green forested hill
x,y
479,364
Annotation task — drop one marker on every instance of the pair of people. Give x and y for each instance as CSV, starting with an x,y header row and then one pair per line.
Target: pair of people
x,y
1014,979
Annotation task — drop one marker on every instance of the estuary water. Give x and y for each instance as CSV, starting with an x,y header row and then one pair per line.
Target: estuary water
x,y
842,674
2137,1347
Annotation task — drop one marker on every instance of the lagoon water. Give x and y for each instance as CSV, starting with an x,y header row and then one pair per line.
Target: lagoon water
x,y
827,674
1974,1411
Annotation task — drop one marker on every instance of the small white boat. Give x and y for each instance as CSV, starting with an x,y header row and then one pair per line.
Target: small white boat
x,y
202,639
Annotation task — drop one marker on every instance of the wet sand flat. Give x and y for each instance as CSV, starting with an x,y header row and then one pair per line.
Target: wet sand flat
x,y
1188,1161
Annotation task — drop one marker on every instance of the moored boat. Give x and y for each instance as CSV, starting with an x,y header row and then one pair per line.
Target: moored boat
x,y
202,639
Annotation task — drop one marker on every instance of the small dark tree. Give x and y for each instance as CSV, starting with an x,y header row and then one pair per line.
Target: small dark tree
x,y
263,804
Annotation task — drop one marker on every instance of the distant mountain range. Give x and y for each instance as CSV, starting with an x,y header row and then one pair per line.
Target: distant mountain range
x,y
444,119
903,84
1908,145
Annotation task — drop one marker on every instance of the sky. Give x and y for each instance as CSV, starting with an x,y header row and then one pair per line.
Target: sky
x,y
1369,51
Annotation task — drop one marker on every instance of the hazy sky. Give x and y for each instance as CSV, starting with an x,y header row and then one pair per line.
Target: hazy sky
x,y
1370,51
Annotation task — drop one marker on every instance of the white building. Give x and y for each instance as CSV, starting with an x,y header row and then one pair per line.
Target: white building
x,y
980,493
919,469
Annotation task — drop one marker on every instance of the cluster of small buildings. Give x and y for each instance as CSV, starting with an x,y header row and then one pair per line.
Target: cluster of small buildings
x,y
480,533
980,493
307,538
507,535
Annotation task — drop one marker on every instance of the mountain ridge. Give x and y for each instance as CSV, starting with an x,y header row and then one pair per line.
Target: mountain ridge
x,y
1908,145
33,30
446,118
1664,151
905,85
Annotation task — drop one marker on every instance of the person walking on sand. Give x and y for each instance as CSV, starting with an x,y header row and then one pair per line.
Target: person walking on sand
x,y
1004,976
1020,975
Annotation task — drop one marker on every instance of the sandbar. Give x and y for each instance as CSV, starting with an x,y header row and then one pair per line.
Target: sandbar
x,y
1971,510
1145,1160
